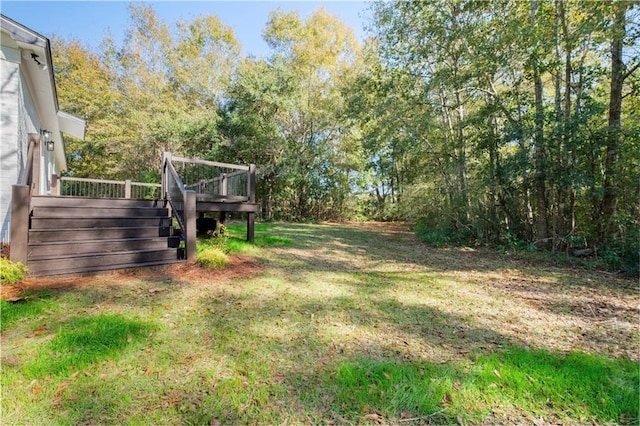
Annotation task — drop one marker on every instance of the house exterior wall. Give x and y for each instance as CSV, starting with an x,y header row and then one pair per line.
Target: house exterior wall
x,y
18,118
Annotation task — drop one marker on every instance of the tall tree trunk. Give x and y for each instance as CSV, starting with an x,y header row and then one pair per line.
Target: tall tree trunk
x,y
610,198
564,181
542,227
462,161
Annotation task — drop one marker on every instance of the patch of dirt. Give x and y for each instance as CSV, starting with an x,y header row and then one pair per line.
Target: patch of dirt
x,y
240,266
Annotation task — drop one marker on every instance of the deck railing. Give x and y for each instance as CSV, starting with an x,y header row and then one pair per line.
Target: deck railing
x,y
101,188
21,201
187,182
182,202
213,180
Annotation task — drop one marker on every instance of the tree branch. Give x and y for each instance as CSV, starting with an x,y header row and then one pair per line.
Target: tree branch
x,y
630,71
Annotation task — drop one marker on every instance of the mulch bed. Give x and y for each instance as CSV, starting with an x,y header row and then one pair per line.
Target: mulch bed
x,y
240,266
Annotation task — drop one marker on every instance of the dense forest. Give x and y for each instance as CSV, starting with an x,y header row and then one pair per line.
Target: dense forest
x,y
482,122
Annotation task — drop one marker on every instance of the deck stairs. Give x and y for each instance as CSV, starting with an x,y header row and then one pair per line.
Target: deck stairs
x,y
78,235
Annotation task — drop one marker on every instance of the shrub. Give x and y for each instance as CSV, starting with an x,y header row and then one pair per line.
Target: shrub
x,y
212,257
11,272
442,236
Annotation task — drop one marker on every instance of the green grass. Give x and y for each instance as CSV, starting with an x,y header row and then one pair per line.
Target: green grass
x,y
578,385
343,325
82,341
234,242
32,306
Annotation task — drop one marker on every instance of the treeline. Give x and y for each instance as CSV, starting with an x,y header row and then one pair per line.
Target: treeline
x,y
501,122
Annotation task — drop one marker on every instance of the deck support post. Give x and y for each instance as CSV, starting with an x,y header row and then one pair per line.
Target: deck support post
x,y
190,224
251,220
20,201
251,217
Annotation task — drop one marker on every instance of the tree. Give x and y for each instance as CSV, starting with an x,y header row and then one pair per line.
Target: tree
x,y
85,89
619,74
287,111
505,102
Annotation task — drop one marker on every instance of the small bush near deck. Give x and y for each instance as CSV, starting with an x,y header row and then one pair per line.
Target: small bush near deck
x,y
11,272
212,257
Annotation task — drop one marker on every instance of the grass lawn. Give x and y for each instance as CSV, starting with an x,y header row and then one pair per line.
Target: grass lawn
x,y
326,324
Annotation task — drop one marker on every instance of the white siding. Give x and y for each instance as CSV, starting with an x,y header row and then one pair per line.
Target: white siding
x,y
19,118
11,156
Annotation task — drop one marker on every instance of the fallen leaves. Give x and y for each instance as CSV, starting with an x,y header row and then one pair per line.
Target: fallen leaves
x,y
38,331
375,417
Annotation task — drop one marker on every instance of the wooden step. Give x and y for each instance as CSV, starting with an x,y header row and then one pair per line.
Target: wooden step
x,y
51,201
62,223
85,212
107,268
96,261
91,234
39,250
71,235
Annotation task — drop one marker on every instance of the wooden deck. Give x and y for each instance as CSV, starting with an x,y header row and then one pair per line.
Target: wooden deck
x,y
89,225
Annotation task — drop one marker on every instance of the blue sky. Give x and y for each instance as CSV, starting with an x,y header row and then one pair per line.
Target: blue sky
x,y
91,21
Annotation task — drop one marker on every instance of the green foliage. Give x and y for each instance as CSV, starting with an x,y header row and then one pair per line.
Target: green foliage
x,y
147,94
212,257
452,131
441,236
468,149
287,115
12,272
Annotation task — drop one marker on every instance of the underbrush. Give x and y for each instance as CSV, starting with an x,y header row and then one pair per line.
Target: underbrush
x,y
212,257
623,259
11,272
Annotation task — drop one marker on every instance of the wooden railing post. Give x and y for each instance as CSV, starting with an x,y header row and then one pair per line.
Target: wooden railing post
x,y
20,201
223,184
35,170
55,188
166,158
251,217
190,224
251,190
127,189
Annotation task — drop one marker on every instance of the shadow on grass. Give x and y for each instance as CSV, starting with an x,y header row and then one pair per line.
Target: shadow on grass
x,y
488,376
379,246
316,357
